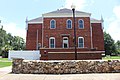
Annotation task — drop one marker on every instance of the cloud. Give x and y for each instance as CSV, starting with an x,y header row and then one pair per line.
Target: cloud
x,y
14,29
116,11
114,24
80,4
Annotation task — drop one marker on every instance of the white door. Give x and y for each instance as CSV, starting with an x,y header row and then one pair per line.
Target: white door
x,y
65,42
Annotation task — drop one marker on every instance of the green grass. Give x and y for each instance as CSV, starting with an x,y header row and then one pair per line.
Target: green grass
x,y
111,58
4,62
4,59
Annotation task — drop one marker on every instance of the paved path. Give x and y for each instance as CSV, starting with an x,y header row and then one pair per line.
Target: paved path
x,y
5,75
111,76
5,71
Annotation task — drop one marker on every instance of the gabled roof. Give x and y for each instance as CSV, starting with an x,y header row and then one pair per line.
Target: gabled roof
x,y
63,13
65,10
36,20
66,13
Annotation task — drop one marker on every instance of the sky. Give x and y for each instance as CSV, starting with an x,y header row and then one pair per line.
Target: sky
x,y
13,13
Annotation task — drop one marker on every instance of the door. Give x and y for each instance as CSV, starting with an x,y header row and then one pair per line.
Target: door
x,y
65,42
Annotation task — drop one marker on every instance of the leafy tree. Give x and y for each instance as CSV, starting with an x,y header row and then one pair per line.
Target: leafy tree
x,y
2,38
9,42
18,43
118,46
109,44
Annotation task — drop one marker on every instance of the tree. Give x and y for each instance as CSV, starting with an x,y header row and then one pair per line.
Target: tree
x,y
2,38
118,46
18,43
109,44
9,42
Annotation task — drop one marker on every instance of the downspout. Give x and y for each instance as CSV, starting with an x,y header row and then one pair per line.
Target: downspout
x,y
37,41
91,35
42,31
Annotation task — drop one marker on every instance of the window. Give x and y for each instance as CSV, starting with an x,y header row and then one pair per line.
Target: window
x,y
81,24
52,24
80,42
69,24
52,42
65,42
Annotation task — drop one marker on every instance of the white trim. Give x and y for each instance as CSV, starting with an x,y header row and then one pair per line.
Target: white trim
x,y
83,24
78,42
35,22
48,15
54,24
49,41
67,24
79,52
96,21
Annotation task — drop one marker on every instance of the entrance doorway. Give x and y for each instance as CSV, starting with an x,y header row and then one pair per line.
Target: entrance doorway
x,y
65,42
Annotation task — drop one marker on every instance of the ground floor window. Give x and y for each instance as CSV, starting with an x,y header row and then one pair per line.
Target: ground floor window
x,y
80,42
52,42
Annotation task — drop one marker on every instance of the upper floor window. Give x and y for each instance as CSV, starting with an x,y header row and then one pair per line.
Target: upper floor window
x,y
52,24
80,42
52,42
69,24
81,24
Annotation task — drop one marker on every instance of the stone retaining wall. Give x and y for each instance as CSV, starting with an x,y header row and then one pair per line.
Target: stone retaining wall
x,y
64,67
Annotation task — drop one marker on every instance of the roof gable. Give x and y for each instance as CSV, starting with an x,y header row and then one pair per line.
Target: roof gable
x,y
65,10
62,13
36,20
66,13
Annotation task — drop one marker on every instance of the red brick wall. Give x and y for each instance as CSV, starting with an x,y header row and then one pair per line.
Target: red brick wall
x,y
98,38
61,29
68,54
32,36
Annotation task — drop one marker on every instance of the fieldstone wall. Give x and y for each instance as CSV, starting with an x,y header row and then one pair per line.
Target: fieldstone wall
x,y
64,67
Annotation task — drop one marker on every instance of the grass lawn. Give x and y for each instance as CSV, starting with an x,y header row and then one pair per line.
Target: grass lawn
x,y
4,62
111,58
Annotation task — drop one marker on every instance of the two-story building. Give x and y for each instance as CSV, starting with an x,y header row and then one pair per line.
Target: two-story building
x,y
53,35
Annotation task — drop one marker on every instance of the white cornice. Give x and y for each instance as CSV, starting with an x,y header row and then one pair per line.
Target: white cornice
x,y
35,22
65,15
96,21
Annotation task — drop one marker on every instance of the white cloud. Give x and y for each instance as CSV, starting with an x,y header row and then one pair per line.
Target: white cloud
x,y
114,25
80,4
14,29
116,11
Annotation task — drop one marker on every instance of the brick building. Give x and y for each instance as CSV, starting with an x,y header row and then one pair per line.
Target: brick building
x,y
53,35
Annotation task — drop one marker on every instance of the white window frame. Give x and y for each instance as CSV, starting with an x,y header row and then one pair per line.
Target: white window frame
x,y
54,24
79,23
67,42
79,43
50,43
67,24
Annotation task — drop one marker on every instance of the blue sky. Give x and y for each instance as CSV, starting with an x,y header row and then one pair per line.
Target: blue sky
x,y
13,13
